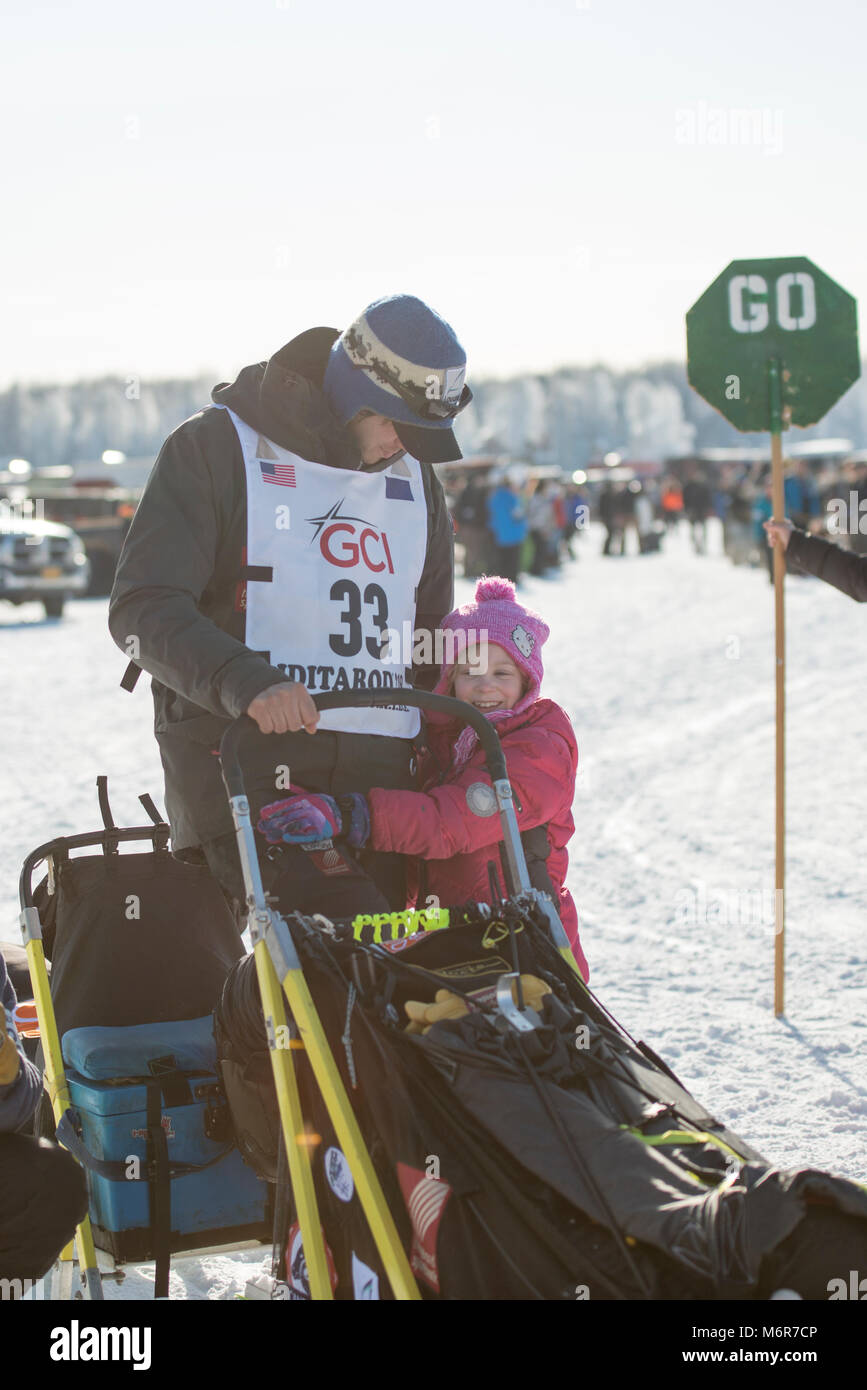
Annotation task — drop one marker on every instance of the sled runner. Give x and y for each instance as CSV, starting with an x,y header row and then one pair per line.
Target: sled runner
x,y
140,945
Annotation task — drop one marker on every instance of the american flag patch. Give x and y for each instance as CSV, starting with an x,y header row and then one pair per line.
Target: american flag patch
x,y
282,474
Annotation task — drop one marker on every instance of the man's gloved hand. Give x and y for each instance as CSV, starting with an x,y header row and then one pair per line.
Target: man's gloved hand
x,y
310,816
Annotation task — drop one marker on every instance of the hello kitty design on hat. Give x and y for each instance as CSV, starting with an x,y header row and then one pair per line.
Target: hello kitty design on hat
x,y
523,640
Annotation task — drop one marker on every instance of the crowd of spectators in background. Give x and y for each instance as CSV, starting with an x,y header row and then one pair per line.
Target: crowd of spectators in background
x,y
742,499
511,525
510,528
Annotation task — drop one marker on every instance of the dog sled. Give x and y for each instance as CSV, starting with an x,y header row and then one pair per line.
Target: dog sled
x,y
411,1105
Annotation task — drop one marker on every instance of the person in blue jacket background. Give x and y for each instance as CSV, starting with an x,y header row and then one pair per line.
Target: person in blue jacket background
x,y
507,518
801,495
802,506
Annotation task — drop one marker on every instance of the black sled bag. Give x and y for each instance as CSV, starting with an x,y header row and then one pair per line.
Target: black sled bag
x,y
140,945
134,938
565,1162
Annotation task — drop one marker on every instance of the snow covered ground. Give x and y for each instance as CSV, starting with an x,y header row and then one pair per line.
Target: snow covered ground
x,y
665,664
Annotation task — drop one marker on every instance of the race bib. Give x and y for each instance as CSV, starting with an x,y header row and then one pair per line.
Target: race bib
x,y
334,558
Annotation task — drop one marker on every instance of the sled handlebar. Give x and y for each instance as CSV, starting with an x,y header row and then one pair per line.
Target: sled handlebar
x,y
230,743
514,862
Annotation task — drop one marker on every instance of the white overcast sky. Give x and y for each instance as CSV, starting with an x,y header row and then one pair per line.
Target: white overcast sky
x,y
189,183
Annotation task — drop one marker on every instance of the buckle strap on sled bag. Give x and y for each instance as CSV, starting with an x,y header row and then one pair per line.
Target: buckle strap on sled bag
x,y
111,839
159,1191
147,802
68,1133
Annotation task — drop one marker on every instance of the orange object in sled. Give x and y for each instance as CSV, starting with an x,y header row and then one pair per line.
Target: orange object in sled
x,y
26,1020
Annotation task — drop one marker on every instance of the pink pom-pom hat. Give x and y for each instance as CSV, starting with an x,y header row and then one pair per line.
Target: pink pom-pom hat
x,y
496,616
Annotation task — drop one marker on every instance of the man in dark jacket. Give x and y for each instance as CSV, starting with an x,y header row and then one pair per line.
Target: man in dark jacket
x,y
43,1195
471,515
287,535
815,555
698,506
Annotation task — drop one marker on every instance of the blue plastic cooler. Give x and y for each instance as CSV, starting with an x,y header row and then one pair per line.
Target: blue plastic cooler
x,y
109,1072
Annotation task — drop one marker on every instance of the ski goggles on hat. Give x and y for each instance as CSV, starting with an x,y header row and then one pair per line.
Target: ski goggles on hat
x,y
439,395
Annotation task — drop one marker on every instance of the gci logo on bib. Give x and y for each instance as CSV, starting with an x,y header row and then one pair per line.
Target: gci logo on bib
x,y
348,541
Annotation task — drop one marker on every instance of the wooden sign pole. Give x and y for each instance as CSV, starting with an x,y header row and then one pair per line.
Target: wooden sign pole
x,y
776,421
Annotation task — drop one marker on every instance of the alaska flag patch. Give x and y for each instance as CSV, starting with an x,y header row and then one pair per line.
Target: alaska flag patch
x,y
398,488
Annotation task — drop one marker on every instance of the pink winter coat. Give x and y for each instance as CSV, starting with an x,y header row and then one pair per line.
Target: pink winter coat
x,y
438,825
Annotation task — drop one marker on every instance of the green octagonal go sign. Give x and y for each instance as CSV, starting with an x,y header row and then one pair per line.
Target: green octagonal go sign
x,y
785,310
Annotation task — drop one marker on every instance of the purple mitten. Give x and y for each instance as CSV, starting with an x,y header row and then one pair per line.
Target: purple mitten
x,y
301,820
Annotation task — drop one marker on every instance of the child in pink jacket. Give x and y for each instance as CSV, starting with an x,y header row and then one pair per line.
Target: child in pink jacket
x,y
451,825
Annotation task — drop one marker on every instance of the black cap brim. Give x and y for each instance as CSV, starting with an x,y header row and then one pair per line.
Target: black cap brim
x,y
428,445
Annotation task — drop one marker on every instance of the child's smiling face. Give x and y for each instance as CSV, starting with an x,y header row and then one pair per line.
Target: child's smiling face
x,y
489,679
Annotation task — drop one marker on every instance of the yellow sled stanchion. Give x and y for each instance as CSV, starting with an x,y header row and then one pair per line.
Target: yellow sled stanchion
x,y
55,1082
292,1123
388,1243
277,960
518,876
